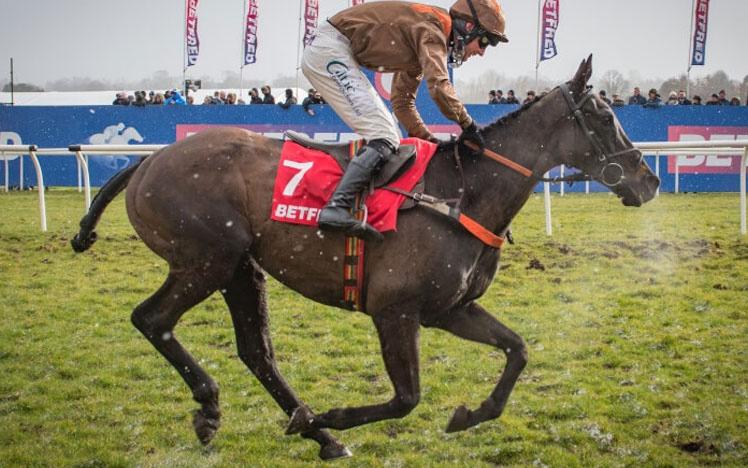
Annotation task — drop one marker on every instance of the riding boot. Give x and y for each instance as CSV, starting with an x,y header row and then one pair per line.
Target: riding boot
x,y
336,215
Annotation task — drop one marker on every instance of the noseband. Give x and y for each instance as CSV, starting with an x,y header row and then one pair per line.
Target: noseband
x,y
611,173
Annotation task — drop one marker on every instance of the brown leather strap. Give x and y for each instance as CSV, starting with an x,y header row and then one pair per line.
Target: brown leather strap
x,y
501,159
485,236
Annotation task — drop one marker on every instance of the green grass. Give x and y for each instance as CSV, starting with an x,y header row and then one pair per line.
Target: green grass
x,y
637,329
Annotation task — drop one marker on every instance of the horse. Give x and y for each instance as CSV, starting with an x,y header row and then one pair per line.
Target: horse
x,y
203,205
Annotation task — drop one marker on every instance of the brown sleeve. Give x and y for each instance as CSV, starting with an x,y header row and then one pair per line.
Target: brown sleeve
x,y
433,57
404,90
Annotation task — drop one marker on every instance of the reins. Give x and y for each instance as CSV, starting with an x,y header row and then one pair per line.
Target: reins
x,y
610,175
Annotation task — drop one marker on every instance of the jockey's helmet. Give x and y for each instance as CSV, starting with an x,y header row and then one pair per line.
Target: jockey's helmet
x,y
486,17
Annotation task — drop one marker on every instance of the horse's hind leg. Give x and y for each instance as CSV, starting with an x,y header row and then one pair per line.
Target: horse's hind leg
x,y
155,318
398,336
473,323
245,296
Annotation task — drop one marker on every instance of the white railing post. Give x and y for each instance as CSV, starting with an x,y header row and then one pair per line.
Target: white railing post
x,y
83,167
677,173
20,172
78,167
561,172
40,186
587,187
7,174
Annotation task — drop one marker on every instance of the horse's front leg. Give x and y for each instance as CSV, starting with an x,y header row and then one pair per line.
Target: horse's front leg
x,y
472,322
398,336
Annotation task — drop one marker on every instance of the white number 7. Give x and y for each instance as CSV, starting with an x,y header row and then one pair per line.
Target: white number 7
x,y
295,180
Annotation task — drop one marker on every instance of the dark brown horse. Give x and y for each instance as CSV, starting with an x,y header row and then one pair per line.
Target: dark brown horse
x,y
203,205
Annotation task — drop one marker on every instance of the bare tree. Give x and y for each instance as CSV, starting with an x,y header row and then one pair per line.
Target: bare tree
x,y
675,84
613,82
22,87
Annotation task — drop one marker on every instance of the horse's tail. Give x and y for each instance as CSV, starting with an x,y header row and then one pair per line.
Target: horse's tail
x,y
87,236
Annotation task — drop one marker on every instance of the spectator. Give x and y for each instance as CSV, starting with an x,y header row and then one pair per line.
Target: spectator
x,y
222,97
267,97
735,101
530,97
312,97
208,100
682,99
604,96
175,98
290,100
637,99
190,100
723,99
158,99
140,100
492,99
121,100
696,100
231,98
713,100
254,96
500,96
510,98
654,100
672,99
617,101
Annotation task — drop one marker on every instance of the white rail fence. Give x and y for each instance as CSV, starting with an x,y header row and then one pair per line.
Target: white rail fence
x,y
736,148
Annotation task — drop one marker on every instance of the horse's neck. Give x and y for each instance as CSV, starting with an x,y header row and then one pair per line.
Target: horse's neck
x,y
495,192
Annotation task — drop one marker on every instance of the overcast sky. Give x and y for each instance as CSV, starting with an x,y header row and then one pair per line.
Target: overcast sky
x,y
108,39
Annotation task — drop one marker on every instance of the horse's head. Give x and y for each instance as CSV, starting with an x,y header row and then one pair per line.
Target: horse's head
x,y
595,143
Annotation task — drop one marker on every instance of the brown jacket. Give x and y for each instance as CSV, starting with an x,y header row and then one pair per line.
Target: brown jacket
x,y
409,39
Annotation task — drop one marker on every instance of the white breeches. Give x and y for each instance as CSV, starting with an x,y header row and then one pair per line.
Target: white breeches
x,y
331,68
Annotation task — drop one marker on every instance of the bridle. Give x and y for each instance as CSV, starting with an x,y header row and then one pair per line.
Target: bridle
x,y
611,174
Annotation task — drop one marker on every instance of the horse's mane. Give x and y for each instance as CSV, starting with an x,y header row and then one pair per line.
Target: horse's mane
x,y
503,120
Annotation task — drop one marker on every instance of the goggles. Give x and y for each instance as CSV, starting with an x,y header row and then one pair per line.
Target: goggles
x,y
487,39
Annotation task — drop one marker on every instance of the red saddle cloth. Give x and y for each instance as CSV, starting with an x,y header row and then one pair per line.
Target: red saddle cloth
x,y
307,178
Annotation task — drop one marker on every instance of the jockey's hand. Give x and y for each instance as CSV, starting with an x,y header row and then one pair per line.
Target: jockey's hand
x,y
472,134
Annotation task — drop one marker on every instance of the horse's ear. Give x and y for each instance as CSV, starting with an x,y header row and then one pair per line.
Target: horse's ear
x,y
578,84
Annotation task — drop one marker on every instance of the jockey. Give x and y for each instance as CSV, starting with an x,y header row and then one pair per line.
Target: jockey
x,y
415,42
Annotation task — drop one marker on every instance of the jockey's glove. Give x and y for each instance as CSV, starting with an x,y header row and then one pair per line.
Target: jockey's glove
x,y
472,133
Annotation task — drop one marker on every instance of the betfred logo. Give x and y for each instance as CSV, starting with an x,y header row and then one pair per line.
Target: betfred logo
x,y
705,163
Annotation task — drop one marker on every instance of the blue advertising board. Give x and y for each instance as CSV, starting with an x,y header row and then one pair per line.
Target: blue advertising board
x,y
64,125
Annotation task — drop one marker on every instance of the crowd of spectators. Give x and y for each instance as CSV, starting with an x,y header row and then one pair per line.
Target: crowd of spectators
x,y
254,96
141,99
653,99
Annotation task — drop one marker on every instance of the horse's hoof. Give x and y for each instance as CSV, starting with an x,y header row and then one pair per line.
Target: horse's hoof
x,y
205,427
334,450
460,420
301,421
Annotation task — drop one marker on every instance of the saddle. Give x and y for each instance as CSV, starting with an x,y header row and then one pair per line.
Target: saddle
x,y
394,167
